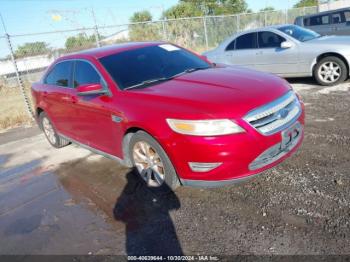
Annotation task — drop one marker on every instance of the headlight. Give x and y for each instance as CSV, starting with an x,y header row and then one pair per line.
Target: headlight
x,y
204,127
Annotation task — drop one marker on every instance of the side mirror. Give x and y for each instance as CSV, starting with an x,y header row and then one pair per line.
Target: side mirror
x,y
286,44
91,89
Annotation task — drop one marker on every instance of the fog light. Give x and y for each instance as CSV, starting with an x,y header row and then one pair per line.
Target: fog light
x,y
203,167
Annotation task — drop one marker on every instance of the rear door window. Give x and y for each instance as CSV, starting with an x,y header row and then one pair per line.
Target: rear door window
x,y
60,74
319,20
337,18
347,16
231,46
247,41
85,73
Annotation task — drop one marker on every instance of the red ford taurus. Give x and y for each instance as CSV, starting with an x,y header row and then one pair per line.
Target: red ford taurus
x,y
173,115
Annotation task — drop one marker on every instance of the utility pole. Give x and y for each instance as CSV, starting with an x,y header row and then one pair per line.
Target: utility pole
x,y
18,76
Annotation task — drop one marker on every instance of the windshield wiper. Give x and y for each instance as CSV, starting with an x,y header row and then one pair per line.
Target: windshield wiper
x,y
147,82
189,70
161,79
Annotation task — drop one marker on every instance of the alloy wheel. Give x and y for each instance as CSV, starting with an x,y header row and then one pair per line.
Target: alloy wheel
x,y
149,164
49,131
329,72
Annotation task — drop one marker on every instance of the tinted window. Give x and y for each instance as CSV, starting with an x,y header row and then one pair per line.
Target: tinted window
x,y
85,73
336,18
60,74
247,41
231,46
133,67
306,21
268,39
347,16
299,33
319,20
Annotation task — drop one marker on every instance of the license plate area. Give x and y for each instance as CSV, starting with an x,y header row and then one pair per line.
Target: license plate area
x,y
290,135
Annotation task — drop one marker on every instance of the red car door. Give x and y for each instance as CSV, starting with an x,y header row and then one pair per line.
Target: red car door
x,y
60,96
94,125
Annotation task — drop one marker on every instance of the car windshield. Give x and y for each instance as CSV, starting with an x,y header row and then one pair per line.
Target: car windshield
x,y
141,67
299,33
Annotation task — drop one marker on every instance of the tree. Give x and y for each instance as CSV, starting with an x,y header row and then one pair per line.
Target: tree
x,y
143,16
32,49
80,41
144,30
189,8
305,3
267,9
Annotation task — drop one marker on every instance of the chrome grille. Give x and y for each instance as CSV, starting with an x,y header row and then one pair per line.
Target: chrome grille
x,y
275,116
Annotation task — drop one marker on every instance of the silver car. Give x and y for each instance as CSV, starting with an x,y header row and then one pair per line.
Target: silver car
x,y
288,51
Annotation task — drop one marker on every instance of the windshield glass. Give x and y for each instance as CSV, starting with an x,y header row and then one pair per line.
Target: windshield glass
x,y
142,66
299,33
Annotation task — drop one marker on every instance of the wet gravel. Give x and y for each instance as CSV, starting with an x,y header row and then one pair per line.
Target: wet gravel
x,y
300,207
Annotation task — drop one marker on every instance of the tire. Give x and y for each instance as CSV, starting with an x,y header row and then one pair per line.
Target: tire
x,y
170,178
54,139
323,67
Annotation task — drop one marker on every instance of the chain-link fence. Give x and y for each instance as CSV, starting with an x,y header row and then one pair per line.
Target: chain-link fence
x,y
24,57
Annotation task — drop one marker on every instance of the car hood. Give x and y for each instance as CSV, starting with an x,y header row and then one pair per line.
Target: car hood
x,y
332,39
220,91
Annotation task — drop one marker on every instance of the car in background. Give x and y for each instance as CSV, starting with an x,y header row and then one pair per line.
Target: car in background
x,y
171,114
334,22
288,51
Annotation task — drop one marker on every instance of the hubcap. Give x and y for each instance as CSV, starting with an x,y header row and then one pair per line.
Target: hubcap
x,y
49,131
148,164
329,72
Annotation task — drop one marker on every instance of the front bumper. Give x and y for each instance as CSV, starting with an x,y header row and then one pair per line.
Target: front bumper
x,y
242,155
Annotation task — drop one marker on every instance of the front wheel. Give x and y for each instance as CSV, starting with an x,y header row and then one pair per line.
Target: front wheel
x,y
151,162
330,71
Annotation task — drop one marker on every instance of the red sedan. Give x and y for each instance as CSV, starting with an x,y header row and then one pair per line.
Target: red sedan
x,y
170,113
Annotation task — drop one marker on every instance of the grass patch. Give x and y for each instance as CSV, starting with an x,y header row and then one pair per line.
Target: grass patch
x,y
12,107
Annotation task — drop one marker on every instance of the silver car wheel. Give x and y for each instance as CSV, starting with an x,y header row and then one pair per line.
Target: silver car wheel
x,y
148,164
49,131
329,72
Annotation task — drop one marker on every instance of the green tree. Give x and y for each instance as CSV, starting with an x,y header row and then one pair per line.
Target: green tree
x,y
80,41
143,16
305,3
189,8
145,30
32,49
267,9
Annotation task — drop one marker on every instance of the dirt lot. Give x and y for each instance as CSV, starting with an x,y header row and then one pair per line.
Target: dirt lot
x,y
71,201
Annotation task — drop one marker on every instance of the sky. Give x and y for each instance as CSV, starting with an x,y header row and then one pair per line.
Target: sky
x,y
33,16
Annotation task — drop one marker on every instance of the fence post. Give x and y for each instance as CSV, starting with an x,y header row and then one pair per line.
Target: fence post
x,y
238,25
265,19
97,35
19,79
286,16
205,32
165,36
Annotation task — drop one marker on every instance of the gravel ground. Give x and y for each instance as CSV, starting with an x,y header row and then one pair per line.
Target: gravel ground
x,y
301,206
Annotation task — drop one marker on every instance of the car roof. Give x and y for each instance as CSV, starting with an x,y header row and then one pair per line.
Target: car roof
x,y
108,50
264,28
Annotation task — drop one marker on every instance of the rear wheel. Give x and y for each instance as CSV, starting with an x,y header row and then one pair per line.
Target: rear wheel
x,y
330,71
151,162
50,132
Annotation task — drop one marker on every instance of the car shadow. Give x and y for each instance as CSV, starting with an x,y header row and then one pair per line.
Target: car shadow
x,y
146,215
302,80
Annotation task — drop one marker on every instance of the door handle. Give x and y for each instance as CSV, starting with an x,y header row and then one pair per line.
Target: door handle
x,y
69,98
44,94
259,53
